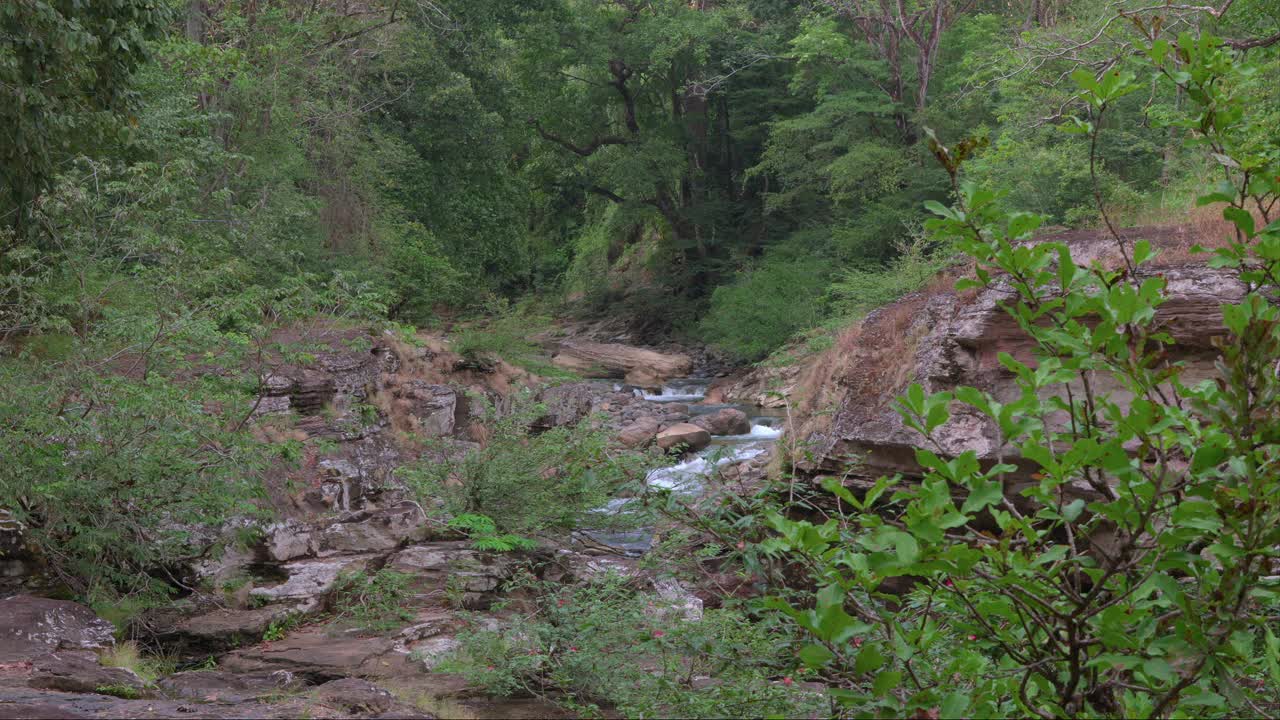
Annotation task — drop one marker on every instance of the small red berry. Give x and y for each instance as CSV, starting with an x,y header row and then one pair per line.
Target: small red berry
x,y
787,681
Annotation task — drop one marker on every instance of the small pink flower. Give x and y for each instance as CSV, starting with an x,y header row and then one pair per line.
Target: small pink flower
x,y
857,642
973,637
787,681
658,633
573,648
490,667
948,583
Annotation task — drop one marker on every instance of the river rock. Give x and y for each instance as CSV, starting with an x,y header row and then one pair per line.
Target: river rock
x,y
685,435
637,366
639,433
32,626
357,532
728,421
323,654
222,629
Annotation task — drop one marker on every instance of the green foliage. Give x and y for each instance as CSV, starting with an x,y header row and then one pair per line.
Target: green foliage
x,y
1128,572
762,309
604,644
111,476
372,602
127,692
279,629
506,335
859,290
483,532
148,667
527,481
65,69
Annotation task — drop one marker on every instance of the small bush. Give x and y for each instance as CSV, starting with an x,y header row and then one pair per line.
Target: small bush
x,y
527,481
604,643
373,602
860,290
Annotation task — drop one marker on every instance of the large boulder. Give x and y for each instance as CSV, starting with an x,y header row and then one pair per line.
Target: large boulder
x,y
80,672
638,366
684,436
728,421
31,626
639,433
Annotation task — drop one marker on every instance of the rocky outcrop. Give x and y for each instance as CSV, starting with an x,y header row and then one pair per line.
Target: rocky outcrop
x,y
443,567
948,339
684,436
727,421
358,532
637,366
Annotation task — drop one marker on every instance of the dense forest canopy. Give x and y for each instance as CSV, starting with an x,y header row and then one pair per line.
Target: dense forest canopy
x,y
690,164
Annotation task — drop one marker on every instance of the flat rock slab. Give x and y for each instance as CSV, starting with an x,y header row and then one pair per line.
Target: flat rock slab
x,y
638,366
321,654
223,629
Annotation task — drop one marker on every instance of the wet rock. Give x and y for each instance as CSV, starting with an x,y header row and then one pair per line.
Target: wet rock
x,y
728,421
639,433
637,366
32,626
684,435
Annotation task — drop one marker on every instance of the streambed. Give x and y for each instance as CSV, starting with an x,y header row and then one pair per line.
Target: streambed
x,y
689,476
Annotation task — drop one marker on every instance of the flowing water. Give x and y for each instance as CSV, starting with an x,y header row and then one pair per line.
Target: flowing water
x,y
689,476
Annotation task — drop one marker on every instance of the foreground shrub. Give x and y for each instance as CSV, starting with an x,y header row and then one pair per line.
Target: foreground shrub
x,y
1136,576
605,643
528,481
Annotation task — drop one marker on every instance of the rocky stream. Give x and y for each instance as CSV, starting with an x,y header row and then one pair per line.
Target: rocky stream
x,y
252,633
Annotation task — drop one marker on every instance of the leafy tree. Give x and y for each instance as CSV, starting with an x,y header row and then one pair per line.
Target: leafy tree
x,y
65,70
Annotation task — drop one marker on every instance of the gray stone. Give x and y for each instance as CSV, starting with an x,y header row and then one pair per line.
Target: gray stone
x,y
31,626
